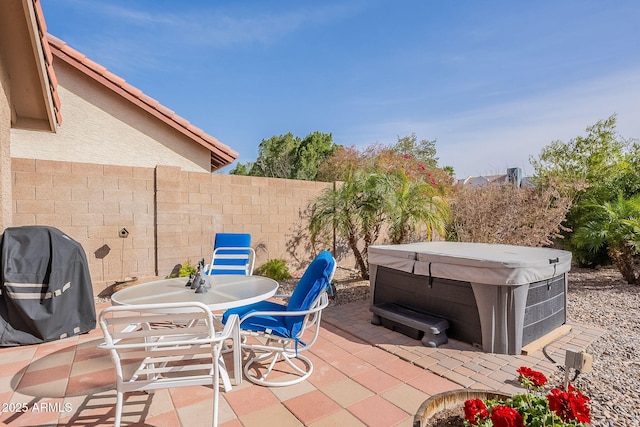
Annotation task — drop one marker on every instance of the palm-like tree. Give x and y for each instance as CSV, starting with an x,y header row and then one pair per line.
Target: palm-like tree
x,y
616,225
355,210
367,201
412,204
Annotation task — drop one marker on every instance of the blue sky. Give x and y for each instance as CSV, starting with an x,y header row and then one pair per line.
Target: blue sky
x,y
491,81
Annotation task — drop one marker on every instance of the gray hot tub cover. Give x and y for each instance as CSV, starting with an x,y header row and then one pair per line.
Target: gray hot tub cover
x,y
45,290
490,264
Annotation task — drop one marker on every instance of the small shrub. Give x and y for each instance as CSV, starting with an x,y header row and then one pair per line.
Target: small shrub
x,y
187,269
275,269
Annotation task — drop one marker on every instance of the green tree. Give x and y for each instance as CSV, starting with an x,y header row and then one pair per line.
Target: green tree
x,y
590,169
628,178
241,169
289,156
412,204
312,151
614,225
424,151
275,156
593,159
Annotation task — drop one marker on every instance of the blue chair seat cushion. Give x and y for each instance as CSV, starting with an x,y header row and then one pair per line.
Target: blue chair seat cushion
x,y
315,280
275,325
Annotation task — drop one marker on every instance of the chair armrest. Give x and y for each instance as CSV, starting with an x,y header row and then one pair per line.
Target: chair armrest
x,y
324,302
232,325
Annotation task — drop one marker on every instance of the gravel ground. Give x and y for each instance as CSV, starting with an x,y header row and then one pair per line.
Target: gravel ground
x,y
596,297
601,298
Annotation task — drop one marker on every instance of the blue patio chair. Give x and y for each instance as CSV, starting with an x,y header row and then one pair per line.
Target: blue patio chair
x,y
273,332
232,254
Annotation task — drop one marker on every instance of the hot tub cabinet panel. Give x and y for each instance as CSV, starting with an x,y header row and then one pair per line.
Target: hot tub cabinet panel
x,y
449,299
499,297
545,309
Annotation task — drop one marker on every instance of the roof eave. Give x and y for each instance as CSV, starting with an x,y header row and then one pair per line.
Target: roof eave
x,y
34,101
221,154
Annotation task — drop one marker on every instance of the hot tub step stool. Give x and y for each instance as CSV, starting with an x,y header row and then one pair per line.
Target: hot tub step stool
x,y
433,328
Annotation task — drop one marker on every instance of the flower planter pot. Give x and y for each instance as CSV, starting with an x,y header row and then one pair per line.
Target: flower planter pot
x,y
450,401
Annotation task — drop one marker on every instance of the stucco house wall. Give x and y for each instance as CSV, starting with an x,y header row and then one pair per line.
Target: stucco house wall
x,y
102,127
5,155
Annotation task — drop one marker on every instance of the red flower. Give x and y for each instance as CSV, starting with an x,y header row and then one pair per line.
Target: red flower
x,y
475,410
569,405
537,378
505,416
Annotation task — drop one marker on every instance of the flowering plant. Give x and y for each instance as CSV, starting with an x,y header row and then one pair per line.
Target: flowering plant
x,y
557,408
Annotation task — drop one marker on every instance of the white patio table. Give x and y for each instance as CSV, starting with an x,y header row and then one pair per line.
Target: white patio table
x,y
227,291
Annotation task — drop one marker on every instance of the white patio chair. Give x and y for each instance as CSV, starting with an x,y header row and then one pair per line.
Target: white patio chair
x,y
273,332
166,355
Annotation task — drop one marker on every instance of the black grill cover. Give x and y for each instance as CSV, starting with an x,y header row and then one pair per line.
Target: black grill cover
x,y
46,290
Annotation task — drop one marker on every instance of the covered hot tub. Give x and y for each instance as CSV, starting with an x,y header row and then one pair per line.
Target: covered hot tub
x,y
497,297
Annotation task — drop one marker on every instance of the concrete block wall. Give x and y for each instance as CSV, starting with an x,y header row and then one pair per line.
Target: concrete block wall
x,y
171,215
91,203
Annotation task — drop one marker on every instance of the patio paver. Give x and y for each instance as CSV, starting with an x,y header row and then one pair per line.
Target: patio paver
x,y
363,375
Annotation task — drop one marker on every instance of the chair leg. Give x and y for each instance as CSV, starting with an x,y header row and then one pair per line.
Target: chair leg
x,y
119,402
225,374
276,357
216,387
237,358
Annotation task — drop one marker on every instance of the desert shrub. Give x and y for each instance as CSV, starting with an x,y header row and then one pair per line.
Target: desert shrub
x,y
275,269
187,269
507,214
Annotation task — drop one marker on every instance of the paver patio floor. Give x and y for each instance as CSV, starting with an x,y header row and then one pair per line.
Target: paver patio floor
x,y
364,375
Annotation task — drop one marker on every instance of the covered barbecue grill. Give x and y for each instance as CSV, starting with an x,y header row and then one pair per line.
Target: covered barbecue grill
x,y
45,290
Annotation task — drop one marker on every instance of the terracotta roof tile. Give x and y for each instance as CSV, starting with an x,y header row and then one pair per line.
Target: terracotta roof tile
x,y
221,154
67,49
166,111
149,100
134,91
48,58
196,130
53,80
40,16
119,81
94,65
183,122
56,99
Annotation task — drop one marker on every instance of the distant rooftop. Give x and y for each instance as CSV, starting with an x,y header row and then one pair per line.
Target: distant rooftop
x,y
513,175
